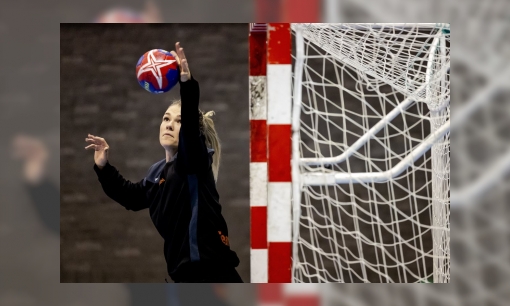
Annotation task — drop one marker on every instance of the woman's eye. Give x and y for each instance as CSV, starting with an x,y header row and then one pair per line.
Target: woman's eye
x,y
165,119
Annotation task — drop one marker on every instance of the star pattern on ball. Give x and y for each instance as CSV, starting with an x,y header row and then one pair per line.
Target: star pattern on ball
x,y
154,65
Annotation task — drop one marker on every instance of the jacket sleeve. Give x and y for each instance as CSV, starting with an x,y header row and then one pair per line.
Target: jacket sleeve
x,y
192,156
133,196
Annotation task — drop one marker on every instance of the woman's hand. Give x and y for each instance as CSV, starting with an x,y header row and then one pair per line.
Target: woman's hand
x,y
182,62
101,149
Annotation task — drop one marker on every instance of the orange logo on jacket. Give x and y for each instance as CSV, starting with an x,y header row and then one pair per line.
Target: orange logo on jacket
x,y
224,239
161,181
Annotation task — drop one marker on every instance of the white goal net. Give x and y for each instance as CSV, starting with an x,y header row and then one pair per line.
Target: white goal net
x,y
371,153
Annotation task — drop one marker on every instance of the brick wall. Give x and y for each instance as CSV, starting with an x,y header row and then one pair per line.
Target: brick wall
x,y
100,240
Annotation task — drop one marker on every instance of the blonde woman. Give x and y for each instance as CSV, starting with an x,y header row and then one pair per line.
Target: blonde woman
x,y
180,190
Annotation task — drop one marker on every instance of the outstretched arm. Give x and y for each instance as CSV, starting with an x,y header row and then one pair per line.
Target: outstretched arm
x,y
132,196
192,153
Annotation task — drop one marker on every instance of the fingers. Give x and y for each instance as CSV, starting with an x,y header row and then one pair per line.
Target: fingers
x,y
182,61
97,147
97,139
185,74
97,143
174,54
179,54
180,51
93,141
184,65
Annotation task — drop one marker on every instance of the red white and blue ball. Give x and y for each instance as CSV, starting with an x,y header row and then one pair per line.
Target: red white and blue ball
x,y
157,71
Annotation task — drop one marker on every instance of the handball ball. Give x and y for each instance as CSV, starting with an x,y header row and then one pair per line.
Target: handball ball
x,y
157,71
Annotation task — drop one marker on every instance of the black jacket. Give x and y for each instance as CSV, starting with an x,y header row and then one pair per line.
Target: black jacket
x,y
182,198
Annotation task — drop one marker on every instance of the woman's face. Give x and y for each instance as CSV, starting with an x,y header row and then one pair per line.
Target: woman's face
x,y
170,127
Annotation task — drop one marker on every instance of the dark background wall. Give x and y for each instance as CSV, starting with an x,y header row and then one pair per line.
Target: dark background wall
x,y
100,240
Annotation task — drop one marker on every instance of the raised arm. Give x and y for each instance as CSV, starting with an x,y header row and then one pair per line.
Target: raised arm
x,y
192,154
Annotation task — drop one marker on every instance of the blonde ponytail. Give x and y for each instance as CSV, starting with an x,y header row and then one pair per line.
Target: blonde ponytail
x,y
212,140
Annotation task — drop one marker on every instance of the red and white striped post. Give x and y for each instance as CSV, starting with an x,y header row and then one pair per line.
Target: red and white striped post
x,y
270,152
279,78
258,153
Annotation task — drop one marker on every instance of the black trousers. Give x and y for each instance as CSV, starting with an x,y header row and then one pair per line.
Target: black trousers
x,y
210,275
